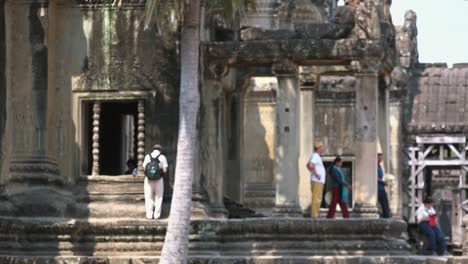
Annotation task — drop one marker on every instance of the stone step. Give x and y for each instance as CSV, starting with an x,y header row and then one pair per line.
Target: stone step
x,y
210,259
110,184
111,209
105,197
217,237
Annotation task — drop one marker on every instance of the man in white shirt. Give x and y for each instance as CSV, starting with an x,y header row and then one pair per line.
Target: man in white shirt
x,y
317,178
426,218
154,189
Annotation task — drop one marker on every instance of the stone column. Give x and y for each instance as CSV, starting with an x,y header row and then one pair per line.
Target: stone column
x,y
212,146
384,126
141,137
396,156
95,150
208,184
307,95
33,183
365,182
287,139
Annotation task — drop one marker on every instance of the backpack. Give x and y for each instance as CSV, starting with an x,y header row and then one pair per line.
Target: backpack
x,y
153,169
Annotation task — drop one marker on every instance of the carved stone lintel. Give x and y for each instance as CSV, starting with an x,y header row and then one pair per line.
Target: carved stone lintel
x,y
284,67
366,66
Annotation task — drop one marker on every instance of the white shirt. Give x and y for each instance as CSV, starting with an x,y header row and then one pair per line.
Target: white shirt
x,y
319,168
162,159
422,214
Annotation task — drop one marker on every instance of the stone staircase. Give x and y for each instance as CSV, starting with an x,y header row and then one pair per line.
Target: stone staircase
x,y
112,197
109,227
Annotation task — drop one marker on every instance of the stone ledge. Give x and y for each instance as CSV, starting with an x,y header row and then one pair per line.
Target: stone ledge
x,y
220,237
204,259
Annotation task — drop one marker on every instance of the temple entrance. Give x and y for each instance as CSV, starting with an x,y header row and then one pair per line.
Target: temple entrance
x,y
439,169
117,136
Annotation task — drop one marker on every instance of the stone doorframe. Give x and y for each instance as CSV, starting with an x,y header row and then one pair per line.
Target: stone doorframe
x,y
457,147
145,105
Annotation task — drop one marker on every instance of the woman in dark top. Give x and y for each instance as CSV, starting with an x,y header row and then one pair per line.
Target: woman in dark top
x,y
339,189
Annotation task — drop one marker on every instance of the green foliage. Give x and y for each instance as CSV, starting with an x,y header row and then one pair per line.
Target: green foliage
x,y
168,14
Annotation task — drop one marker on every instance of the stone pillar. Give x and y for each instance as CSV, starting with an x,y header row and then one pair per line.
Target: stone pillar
x,y
209,173
33,183
365,182
141,137
307,104
384,126
95,150
287,139
212,146
396,156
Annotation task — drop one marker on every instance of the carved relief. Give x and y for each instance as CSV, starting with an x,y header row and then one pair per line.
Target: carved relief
x,y
292,13
407,42
406,49
125,57
367,20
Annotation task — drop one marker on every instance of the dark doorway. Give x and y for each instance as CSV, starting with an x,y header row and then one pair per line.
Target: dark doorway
x,y
117,136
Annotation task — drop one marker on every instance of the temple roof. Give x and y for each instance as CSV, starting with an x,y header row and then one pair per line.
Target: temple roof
x,y
440,104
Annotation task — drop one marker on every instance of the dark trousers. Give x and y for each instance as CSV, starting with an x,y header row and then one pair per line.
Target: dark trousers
x,y
435,235
383,201
336,199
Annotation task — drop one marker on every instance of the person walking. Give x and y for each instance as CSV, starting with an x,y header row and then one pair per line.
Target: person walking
x,y
382,194
155,166
339,189
317,178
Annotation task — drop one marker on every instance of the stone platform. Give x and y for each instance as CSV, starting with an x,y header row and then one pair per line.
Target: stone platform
x,y
241,260
210,237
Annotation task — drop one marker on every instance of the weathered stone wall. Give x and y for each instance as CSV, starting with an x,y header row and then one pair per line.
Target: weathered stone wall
x,y
60,57
258,144
106,50
335,115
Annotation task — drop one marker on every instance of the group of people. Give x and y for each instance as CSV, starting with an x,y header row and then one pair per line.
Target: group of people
x,y
339,188
155,166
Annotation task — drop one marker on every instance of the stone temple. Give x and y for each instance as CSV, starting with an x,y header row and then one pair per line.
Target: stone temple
x,y
83,88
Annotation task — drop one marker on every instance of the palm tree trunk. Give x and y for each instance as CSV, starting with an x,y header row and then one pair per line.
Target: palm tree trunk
x,y
2,78
175,249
